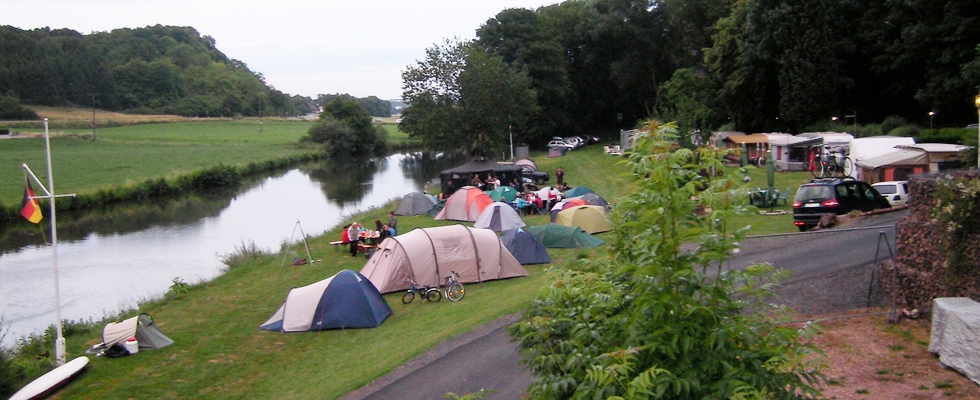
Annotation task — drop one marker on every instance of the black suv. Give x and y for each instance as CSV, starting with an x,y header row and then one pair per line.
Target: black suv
x,y
833,196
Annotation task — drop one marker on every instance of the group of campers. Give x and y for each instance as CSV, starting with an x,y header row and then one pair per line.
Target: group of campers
x,y
356,236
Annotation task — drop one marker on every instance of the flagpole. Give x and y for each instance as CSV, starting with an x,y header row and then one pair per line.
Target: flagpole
x,y
59,344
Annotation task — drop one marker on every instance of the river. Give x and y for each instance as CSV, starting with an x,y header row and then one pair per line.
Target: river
x,y
112,260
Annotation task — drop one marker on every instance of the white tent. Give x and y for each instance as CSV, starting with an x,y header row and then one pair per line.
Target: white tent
x,y
499,217
427,255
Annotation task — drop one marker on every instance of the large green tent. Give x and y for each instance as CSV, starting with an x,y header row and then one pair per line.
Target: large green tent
x,y
557,236
504,194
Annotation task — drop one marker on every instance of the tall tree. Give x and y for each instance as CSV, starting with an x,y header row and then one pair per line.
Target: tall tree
x,y
460,94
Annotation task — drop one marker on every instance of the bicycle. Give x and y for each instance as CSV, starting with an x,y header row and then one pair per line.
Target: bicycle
x,y
828,165
425,292
454,289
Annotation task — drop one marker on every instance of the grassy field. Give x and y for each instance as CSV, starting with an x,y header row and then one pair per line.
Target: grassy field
x,y
133,153
220,353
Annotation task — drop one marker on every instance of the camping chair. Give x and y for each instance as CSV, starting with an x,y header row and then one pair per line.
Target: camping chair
x,y
784,196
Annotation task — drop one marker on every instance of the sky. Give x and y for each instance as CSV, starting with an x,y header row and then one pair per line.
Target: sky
x,y
301,47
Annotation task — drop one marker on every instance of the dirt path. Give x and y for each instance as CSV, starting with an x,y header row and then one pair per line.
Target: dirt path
x,y
868,358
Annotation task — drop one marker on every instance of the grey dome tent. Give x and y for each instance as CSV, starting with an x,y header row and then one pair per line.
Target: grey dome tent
x,y
415,203
499,217
343,301
524,247
141,327
594,199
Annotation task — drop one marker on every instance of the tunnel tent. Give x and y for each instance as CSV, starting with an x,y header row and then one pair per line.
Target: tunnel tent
x,y
345,300
499,217
415,203
525,248
428,255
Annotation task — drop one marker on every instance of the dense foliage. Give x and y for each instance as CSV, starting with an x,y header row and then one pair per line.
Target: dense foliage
x,y
12,110
751,65
653,321
374,106
157,69
345,130
462,97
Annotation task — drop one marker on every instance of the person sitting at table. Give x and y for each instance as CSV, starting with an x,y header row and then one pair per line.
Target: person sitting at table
x,y
521,205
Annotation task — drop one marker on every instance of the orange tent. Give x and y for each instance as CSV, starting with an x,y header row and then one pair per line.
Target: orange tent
x,y
465,205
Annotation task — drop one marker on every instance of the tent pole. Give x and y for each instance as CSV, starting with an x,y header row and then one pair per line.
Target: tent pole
x,y
285,253
308,255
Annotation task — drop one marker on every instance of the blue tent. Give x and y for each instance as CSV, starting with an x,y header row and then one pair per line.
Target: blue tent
x,y
525,248
343,301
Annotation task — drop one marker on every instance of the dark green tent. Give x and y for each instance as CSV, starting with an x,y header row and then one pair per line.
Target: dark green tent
x,y
557,236
436,208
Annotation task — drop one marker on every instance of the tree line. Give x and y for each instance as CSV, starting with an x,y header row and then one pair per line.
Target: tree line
x,y
747,65
157,69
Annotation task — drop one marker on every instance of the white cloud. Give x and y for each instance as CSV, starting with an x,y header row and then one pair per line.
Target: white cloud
x,y
300,46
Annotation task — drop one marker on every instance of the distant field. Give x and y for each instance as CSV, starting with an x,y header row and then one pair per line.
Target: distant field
x,y
134,153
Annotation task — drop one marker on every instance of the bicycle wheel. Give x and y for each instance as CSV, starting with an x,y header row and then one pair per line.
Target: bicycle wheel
x,y
455,292
408,297
433,295
817,169
848,167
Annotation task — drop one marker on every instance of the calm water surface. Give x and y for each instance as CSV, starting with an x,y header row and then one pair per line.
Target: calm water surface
x,y
127,255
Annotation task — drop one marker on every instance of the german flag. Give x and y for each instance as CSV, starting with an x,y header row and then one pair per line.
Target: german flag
x,y
28,206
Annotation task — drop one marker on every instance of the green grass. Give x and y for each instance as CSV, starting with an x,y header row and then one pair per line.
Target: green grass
x,y
218,350
134,153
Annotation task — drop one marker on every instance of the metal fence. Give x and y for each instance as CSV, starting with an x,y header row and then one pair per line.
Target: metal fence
x,y
844,288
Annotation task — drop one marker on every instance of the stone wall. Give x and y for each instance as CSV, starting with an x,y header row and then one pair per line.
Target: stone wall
x,y
922,258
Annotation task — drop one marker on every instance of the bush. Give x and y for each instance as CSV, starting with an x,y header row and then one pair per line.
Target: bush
x,y
906,131
11,109
652,321
892,123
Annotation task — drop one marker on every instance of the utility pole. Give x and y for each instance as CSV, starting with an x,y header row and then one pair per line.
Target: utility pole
x,y
93,117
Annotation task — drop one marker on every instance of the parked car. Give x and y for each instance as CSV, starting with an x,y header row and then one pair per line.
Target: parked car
x,y
833,196
538,177
896,192
561,144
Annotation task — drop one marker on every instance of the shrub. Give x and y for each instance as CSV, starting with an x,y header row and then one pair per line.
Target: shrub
x,y
11,109
891,123
652,321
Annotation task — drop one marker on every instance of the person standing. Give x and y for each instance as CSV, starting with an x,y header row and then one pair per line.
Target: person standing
x,y
392,223
560,176
352,237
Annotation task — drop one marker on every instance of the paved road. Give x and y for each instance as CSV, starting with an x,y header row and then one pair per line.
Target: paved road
x,y
483,359
829,272
818,253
